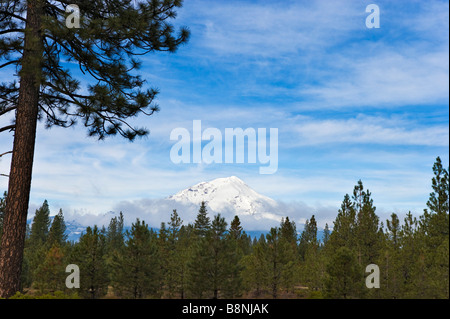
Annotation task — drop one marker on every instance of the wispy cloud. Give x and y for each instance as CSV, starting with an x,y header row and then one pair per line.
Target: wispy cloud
x,y
350,103
369,130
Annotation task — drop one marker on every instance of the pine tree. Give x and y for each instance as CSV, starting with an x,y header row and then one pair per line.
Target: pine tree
x,y
256,270
275,260
115,242
35,40
344,275
90,256
288,245
435,220
367,228
219,249
236,228
50,274
313,265
115,234
411,246
209,267
57,234
343,234
184,253
136,271
288,231
173,277
326,235
163,251
390,260
308,237
36,246
434,227
235,242
202,222
200,260
40,225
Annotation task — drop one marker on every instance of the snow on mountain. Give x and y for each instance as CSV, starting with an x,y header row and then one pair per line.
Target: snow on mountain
x,y
229,194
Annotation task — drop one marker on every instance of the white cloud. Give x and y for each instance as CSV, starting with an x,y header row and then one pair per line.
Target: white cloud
x,y
272,29
369,130
386,79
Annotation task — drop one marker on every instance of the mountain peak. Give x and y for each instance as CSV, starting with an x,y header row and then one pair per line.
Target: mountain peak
x,y
226,193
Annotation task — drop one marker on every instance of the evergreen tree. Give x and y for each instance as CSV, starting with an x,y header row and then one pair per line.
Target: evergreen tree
x,y
288,231
435,220
184,254
275,259
236,228
390,260
326,235
308,237
367,228
35,40
235,242
202,222
344,275
163,248
313,264
57,234
36,246
434,228
136,271
210,264
174,226
173,277
50,274
115,242
115,234
219,249
256,270
288,245
40,225
411,247
343,234
90,256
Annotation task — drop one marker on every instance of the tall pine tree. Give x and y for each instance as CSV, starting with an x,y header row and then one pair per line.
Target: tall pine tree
x,y
35,41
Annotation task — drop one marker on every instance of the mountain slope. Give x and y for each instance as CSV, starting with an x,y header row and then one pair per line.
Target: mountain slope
x,y
229,194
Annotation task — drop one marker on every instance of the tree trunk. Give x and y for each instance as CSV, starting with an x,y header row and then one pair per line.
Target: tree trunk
x,y
14,227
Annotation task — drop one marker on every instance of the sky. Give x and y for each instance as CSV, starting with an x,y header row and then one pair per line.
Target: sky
x,y
349,102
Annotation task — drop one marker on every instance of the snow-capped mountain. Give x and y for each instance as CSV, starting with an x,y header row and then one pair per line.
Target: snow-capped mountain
x,y
229,194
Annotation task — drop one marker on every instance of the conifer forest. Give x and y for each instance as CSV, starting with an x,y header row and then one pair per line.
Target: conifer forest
x,y
215,258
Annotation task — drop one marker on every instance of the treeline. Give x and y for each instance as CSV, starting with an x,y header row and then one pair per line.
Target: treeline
x,y
211,259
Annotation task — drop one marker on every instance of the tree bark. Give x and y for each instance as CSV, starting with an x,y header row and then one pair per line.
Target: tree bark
x,y
14,227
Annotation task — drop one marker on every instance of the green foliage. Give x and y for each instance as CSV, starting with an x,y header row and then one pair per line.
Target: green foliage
x,y
202,222
135,270
50,274
344,275
40,225
57,234
90,255
207,260
111,36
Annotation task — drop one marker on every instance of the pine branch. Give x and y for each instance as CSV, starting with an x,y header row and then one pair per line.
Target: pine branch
x,y
6,110
9,152
9,127
8,63
11,31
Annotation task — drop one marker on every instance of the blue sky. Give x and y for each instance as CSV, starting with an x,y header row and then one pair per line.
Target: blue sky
x,y
349,102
